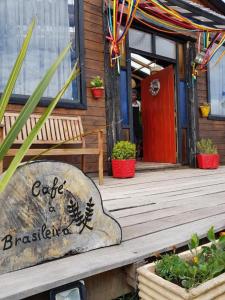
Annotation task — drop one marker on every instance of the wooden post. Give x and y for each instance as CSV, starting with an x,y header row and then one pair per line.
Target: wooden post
x,y
101,157
192,104
1,139
112,100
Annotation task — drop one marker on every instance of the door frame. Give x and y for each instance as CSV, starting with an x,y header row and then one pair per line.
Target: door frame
x,y
112,98
175,63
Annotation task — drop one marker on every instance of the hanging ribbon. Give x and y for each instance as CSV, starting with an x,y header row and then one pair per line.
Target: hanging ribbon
x,y
118,9
158,16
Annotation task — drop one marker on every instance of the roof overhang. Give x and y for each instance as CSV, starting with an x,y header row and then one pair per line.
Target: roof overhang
x,y
197,12
218,4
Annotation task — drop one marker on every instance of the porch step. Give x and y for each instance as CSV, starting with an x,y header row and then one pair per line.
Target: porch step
x,y
148,166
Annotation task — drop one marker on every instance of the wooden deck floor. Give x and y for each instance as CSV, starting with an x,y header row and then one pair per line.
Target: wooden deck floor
x,y
156,211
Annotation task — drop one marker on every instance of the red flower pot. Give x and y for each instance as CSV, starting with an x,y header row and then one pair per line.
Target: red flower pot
x,y
208,161
123,168
97,92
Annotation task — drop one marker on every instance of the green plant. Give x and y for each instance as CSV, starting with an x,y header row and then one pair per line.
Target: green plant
x,y
204,265
96,82
29,106
124,150
206,146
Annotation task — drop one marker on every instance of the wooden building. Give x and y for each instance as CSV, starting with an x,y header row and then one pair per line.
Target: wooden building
x,y
172,127
113,113
159,63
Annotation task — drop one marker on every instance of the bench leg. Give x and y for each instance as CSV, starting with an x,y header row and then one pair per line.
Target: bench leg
x,y
101,157
100,169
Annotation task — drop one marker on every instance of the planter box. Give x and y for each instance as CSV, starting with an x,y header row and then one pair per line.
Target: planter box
x,y
123,168
152,286
208,161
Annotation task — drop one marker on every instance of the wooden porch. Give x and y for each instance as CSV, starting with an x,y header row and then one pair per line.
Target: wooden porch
x,y
156,211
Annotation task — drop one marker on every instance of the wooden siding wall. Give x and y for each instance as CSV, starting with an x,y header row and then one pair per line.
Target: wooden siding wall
x,y
210,128
94,117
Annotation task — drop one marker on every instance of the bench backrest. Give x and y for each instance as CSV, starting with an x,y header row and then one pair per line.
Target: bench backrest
x,y
55,130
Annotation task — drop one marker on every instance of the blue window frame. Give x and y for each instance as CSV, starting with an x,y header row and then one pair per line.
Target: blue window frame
x,y
58,23
216,82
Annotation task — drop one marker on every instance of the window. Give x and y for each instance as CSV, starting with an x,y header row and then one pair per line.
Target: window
x,y
140,40
216,77
165,47
57,25
154,44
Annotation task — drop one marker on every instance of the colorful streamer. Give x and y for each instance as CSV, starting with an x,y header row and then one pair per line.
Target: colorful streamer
x,y
117,10
158,16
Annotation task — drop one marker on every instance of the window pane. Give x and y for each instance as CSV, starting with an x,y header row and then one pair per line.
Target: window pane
x,y
217,84
165,47
54,29
140,40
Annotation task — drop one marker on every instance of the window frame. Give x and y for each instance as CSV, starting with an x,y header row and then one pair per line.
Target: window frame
x,y
67,103
212,116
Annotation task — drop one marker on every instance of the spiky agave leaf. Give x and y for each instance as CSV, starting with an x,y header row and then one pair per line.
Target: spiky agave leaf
x,y
31,104
32,135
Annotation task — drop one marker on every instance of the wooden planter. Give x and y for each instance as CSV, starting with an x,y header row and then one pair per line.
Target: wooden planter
x,y
152,286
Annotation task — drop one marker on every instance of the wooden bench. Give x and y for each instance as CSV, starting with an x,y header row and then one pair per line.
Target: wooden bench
x,y
56,130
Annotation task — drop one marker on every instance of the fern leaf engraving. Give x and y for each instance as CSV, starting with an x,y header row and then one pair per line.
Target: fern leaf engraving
x,y
76,215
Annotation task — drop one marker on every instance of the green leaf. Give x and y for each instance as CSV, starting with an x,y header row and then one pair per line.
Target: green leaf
x,y
217,270
27,143
31,104
15,72
211,234
194,242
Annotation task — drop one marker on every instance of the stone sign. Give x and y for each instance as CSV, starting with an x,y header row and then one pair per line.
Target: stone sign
x,y
50,209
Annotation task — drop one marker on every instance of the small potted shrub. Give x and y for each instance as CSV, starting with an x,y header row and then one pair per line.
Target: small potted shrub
x,y
195,274
97,87
123,159
207,157
205,109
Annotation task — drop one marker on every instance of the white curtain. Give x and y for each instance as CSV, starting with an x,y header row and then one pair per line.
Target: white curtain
x,y
217,84
50,37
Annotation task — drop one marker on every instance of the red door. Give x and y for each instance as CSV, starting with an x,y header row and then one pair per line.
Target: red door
x,y
158,117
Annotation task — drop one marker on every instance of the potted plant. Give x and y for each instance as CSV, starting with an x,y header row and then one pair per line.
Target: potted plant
x,y
97,87
205,109
207,157
194,274
123,159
